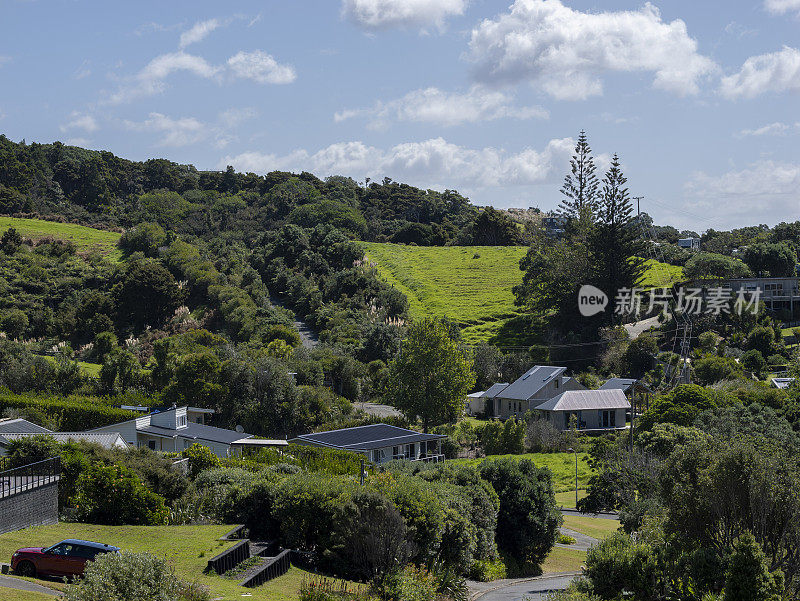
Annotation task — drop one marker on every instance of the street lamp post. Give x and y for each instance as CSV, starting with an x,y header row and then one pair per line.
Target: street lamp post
x,y
571,450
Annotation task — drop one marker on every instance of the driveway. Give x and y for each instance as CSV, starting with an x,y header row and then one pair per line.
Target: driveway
x,y
525,589
24,585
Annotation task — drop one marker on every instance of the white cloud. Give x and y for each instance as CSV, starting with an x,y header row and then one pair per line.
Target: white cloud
x,y
173,132
772,188
433,163
150,80
80,121
260,67
198,32
184,131
566,51
431,105
384,14
83,142
773,72
779,7
772,129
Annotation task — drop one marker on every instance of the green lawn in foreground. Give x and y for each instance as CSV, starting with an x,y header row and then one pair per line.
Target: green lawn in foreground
x,y
181,545
84,238
598,528
562,465
563,560
469,284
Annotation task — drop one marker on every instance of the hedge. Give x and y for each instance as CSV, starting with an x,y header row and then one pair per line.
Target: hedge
x,y
74,413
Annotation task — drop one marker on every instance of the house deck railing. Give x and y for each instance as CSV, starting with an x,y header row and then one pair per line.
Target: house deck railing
x,y
430,458
18,479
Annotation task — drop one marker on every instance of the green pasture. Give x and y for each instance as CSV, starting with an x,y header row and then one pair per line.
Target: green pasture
x,y
86,239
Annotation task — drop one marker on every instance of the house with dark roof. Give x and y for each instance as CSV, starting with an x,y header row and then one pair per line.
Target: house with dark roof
x,y
593,410
19,425
538,384
379,443
172,431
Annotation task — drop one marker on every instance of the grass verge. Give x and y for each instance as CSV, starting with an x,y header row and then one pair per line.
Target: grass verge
x,y
598,528
562,466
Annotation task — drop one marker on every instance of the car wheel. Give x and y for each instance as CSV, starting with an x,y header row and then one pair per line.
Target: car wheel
x,y
26,568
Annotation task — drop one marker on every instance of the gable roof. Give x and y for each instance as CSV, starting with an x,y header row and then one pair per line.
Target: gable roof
x,y
107,440
196,431
623,384
363,438
782,383
8,425
531,382
586,400
494,390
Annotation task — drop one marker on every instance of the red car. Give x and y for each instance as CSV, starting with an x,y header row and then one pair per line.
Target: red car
x,y
66,558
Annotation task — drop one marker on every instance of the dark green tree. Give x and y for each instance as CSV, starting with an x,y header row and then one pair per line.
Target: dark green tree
x,y
493,228
580,187
616,245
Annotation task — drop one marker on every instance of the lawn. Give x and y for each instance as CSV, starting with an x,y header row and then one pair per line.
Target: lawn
x,y
598,528
85,238
660,275
562,465
563,560
89,369
469,284
567,498
188,548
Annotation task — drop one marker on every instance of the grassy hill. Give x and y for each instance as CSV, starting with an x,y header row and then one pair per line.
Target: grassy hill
x,y
86,239
471,284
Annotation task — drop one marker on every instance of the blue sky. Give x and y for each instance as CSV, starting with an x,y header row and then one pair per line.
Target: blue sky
x,y
699,99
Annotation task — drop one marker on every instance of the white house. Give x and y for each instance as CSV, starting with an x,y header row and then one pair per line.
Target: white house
x,y
593,409
379,443
176,429
690,243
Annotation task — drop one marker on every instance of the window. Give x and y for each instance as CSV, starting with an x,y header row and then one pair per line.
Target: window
x,y
181,421
556,382
151,445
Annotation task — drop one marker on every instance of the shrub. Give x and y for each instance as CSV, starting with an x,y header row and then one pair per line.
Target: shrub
x,y
409,584
129,576
529,517
565,539
114,495
200,458
75,413
487,570
753,361
31,449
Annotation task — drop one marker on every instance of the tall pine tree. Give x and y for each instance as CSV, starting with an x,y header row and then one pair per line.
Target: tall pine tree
x,y
580,187
616,246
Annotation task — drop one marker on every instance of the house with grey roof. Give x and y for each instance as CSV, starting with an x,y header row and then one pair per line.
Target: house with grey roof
x,y
172,431
593,410
538,384
107,440
638,392
379,443
11,425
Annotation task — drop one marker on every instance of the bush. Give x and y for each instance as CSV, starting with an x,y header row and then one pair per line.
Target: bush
x,y
753,361
114,495
498,438
529,517
487,570
132,577
200,458
409,584
75,413
31,449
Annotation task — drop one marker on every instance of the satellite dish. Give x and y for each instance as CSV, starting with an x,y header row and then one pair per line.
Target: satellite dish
x,y
239,428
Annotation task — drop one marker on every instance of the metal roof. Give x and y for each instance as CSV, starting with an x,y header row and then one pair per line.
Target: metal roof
x,y
494,389
9,426
584,400
531,382
623,384
782,383
196,431
364,438
107,440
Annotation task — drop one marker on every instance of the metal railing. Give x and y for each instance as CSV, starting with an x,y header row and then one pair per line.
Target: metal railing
x,y
15,480
430,458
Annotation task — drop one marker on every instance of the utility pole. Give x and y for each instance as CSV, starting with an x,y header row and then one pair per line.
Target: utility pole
x,y
638,199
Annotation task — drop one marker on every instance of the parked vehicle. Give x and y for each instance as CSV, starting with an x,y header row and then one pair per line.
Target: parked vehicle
x,y
67,558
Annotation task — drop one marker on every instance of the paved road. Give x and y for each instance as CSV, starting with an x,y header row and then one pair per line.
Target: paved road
x,y
529,590
636,328
24,585
582,541
602,516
